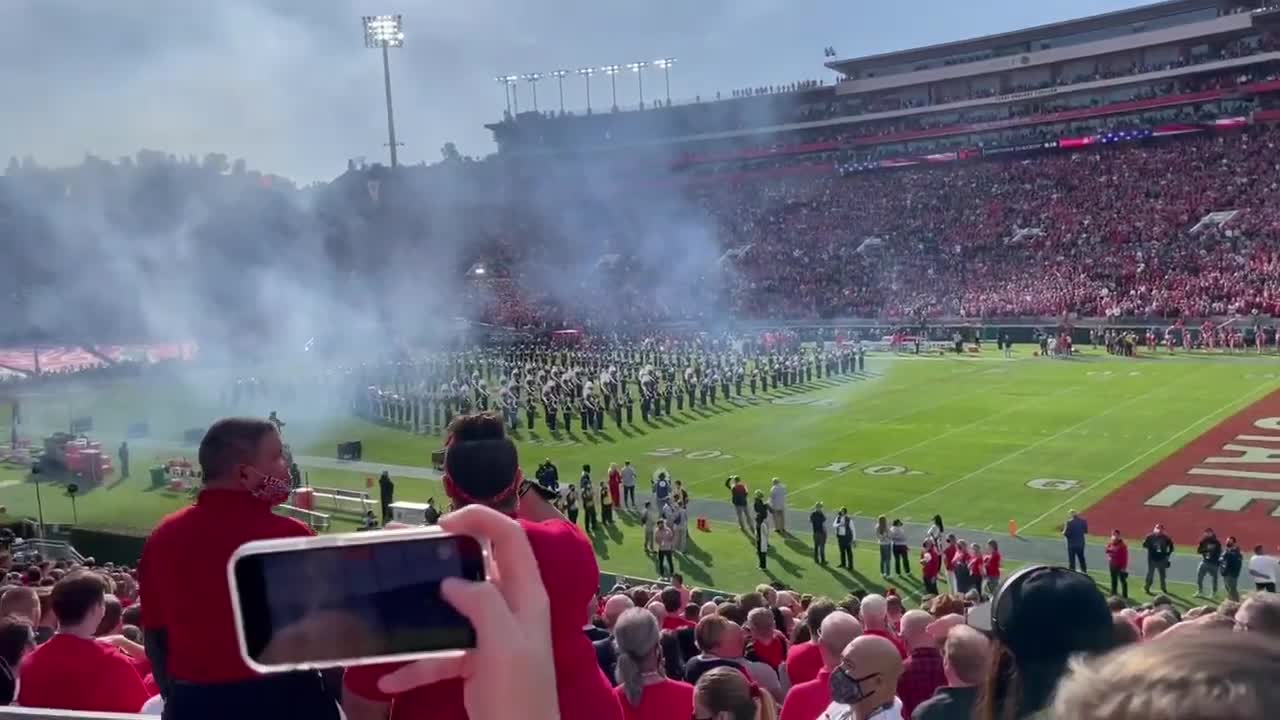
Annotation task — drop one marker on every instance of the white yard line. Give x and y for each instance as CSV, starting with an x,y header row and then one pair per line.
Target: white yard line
x,y
1210,416
858,426
931,439
1020,451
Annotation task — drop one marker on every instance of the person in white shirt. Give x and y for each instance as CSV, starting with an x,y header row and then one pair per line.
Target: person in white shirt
x,y
628,486
864,685
762,543
1263,568
778,505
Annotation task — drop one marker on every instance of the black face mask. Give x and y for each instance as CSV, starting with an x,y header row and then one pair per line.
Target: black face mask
x,y
846,689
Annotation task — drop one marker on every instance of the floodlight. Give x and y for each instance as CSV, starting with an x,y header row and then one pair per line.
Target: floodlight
x,y
664,63
586,71
533,77
611,69
637,66
559,73
383,30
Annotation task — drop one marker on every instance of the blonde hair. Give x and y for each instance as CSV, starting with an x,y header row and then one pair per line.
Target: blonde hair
x,y
726,690
1191,676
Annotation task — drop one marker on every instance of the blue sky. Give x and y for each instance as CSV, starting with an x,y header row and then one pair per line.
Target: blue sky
x,y
288,84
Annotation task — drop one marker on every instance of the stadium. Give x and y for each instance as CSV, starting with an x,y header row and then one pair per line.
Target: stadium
x,y
1010,282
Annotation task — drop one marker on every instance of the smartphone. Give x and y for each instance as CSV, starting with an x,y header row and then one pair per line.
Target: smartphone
x,y
351,599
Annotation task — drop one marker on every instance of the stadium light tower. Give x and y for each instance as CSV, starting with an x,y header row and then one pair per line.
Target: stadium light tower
x,y
665,64
506,91
559,76
384,31
533,79
612,71
586,74
638,69
513,87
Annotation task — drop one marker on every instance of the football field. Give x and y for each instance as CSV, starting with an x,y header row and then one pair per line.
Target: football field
x,y
982,440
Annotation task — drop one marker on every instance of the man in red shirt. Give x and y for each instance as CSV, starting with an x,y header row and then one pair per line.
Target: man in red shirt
x,y
767,644
73,671
1118,561
482,467
804,660
949,561
807,700
875,621
922,672
187,620
991,568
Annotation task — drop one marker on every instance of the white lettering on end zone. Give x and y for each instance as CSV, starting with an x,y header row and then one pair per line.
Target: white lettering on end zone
x,y
1228,499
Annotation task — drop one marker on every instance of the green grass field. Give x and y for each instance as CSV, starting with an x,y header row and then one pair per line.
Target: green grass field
x,y
966,437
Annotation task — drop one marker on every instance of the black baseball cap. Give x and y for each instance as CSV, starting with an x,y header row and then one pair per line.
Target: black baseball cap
x,y
1046,614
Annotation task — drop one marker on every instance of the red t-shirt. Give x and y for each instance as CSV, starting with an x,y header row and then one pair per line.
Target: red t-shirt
x,y
771,653
804,662
992,567
932,564
1118,555
807,700
975,566
949,556
902,649
675,622
660,701
73,673
183,578
567,564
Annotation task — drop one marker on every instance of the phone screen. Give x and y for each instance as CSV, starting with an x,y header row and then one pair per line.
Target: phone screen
x,y
315,607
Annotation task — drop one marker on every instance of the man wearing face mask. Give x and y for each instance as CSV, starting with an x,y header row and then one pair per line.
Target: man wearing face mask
x,y
188,625
864,684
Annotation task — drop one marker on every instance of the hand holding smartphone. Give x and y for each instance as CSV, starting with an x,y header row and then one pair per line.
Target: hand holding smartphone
x,y
351,599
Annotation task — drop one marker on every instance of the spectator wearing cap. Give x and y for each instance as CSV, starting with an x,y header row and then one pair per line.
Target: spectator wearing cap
x,y
965,653
804,659
1260,613
864,684
922,673
73,671
808,700
187,619
767,645
482,467
1159,549
1190,676
874,613
1210,550
643,691
1040,618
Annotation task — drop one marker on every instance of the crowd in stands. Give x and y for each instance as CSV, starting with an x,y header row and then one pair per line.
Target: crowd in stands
x,y
79,636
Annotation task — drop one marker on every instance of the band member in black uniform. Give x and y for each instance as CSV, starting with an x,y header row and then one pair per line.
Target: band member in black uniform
x,y
568,415
530,409
751,379
702,391
644,404
630,403
551,406
724,382
617,414
862,358
737,381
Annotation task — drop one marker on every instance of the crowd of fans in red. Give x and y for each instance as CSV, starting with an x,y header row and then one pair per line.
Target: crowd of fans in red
x,y
1113,232
80,637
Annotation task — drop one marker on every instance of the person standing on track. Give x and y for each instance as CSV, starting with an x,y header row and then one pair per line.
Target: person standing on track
x,y
1075,531
818,520
845,538
778,505
628,475
738,496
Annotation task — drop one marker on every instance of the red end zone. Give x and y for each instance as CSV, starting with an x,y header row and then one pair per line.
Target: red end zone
x,y
1227,479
